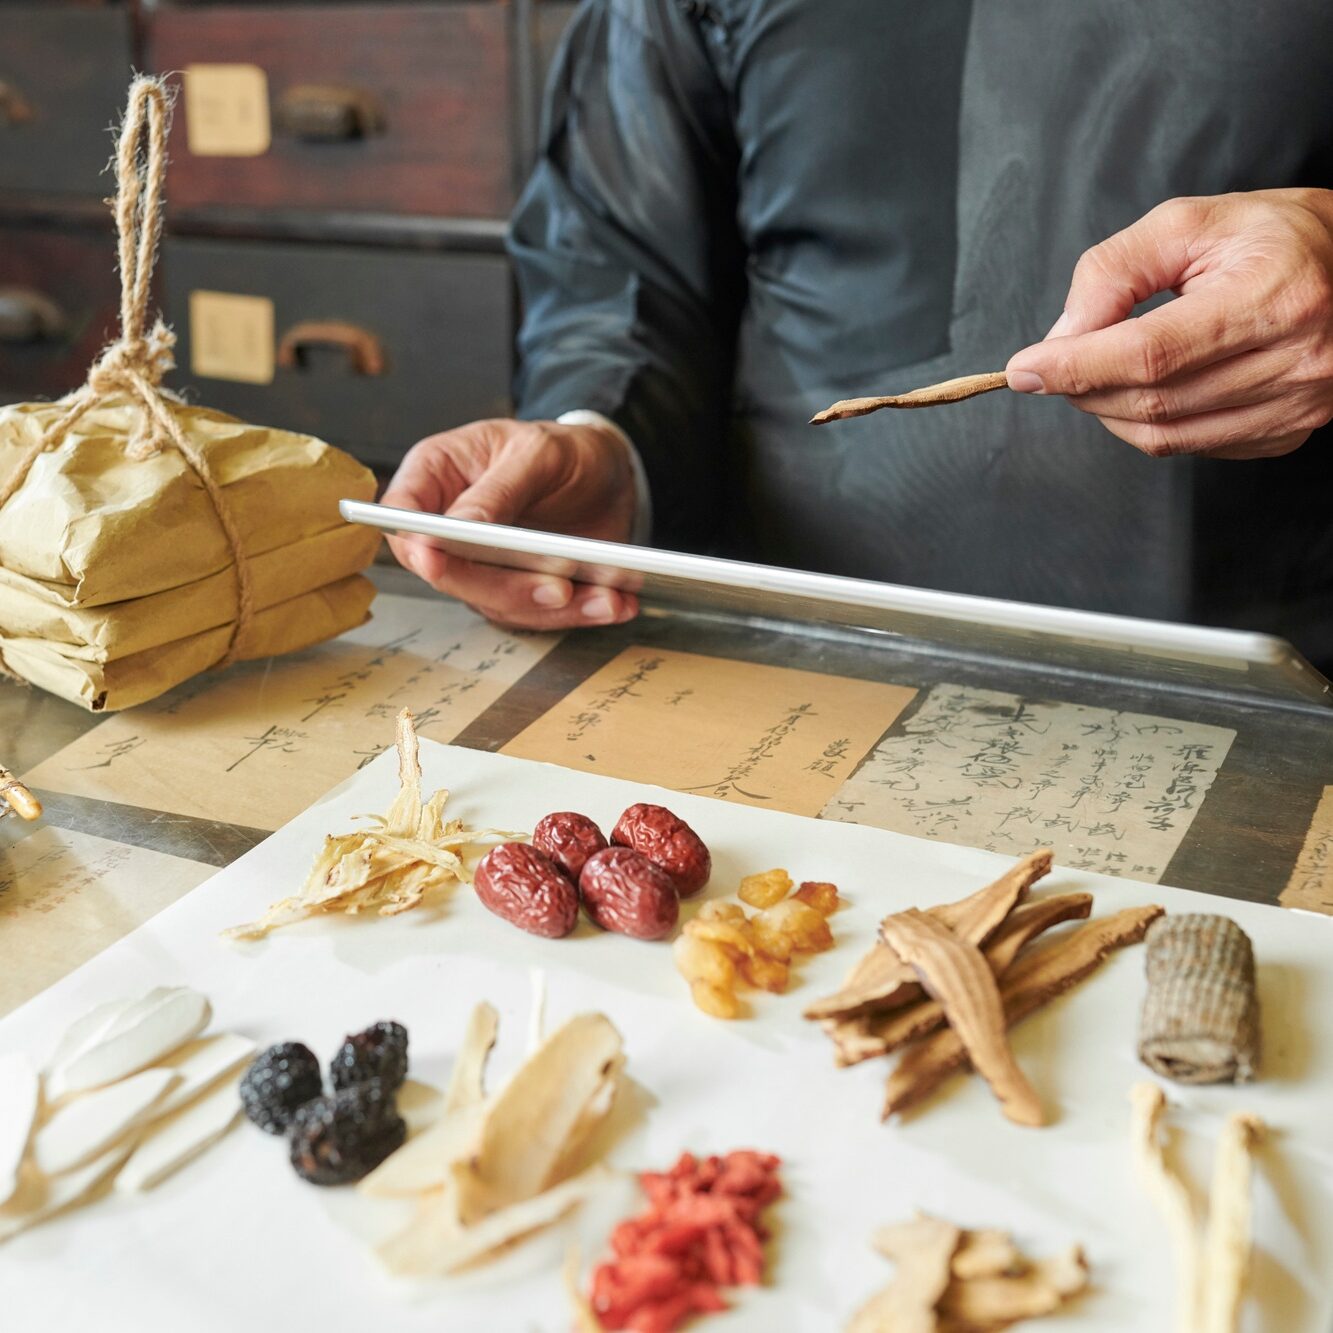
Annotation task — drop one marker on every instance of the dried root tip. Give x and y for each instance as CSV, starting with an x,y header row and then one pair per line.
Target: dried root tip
x,y
1200,1020
16,797
950,391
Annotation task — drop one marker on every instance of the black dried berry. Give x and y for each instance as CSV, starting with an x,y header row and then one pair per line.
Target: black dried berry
x,y
340,1138
378,1052
281,1080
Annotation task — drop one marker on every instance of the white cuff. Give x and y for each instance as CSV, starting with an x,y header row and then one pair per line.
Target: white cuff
x,y
641,531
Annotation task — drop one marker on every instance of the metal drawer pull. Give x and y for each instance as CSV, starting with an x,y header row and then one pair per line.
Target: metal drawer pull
x,y
27,316
15,109
327,113
365,352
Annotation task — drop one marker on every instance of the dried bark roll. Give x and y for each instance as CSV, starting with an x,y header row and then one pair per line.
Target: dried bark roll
x,y
1200,1020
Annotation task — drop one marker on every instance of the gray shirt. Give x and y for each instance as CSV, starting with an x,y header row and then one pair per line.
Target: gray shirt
x,y
743,211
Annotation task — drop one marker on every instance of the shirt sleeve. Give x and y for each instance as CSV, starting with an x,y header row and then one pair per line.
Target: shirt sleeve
x,y
628,257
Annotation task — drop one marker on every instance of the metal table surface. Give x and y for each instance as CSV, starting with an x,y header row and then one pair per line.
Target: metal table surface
x,y
1243,843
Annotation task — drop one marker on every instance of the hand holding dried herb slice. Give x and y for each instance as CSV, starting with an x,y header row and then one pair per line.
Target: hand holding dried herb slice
x,y
933,395
957,974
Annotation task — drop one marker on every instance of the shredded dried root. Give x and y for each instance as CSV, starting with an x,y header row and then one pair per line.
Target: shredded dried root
x,y
949,391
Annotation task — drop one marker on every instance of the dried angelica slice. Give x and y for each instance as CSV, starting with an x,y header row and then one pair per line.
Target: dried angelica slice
x,y
957,974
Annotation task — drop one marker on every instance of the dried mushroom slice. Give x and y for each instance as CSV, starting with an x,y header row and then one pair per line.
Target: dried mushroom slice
x,y
957,974
1200,1020
1030,983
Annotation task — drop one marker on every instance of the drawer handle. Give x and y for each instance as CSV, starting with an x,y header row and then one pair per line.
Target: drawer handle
x,y
15,109
327,113
365,353
29,317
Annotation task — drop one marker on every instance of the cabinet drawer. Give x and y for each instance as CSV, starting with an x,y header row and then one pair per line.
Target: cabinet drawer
x,y
63,76
387,108
382,347
59,301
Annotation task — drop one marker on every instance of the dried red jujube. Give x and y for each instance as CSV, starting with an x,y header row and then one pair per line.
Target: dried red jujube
x,y
654,832
569,839
626,892
528,889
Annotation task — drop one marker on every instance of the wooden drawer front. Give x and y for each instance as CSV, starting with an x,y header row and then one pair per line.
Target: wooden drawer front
x,y
64,73
423,91
59,301
440,325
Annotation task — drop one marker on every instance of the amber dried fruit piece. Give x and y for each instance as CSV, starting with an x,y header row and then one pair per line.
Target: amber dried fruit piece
x,y
765,888
1200,1020
871,1035
823,897
948,391
1029,984
881,979
957,974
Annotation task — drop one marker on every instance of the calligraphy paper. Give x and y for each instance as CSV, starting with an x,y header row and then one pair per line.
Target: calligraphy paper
x,y
257,745
761,735
1109,791
1311,882
65,896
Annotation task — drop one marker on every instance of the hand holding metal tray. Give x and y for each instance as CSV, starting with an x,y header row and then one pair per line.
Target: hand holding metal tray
x,y
1227,662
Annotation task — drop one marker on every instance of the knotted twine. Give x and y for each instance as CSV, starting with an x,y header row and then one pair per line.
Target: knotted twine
x,y
133,365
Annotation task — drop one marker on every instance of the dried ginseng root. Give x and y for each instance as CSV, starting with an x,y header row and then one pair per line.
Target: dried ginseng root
x,y
1210,1269
1200,1020
1032,981
933,395
964,1281
957,974
16,797
387,869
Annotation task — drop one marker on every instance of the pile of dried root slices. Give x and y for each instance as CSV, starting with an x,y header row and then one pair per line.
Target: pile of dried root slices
x,y
964,1281
943,985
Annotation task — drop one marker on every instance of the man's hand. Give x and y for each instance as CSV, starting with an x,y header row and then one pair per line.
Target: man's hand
x,y
533,474
1240,365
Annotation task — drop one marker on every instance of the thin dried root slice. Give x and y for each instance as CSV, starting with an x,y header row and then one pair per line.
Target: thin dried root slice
x,y
41,1197
923,1250
1168,1193
997,1301
882,980
986,1253
948,391
467,1079
958,975
1032,981
169,1143
1226,1248
435,1245
536,1120
426,1161
871,1035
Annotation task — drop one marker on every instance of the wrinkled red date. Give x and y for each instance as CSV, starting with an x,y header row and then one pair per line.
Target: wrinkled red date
x,y
526,888
626,892
654,832
569,839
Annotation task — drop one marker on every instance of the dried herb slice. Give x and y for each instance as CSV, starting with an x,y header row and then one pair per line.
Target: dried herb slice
x,y
922,1250
1029,984
933,395
882,980
957,974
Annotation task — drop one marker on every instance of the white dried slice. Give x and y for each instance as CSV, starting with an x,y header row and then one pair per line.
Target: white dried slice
x,y
573,1160
467,1079
40,1197
537,1013
425,1162
142,1034
199,1063
87,1126
171,1142
87,1031
19,1089
534,1123
436,1245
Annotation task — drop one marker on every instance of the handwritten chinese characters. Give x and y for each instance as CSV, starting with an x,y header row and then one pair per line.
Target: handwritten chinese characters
x,y
762,735
65,896
1110,791
257,745
1311,882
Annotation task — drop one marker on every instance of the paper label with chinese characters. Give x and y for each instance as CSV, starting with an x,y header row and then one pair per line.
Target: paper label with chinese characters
x,y
1311,882
65,896
226,111
257,745
231,337
762,735
1109,791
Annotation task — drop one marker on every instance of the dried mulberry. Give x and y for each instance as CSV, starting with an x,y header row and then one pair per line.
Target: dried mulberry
x,y
280,1081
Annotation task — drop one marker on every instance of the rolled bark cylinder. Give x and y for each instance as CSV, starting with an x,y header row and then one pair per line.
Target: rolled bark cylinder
x,y
1200,1020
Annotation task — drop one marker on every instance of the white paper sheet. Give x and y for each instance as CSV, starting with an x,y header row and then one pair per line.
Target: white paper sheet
x,y
235,1241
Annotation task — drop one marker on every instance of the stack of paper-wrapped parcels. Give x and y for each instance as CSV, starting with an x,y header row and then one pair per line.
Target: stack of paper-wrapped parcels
x,y
116,578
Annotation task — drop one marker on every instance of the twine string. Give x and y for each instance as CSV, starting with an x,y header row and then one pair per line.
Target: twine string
x,y
134,364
